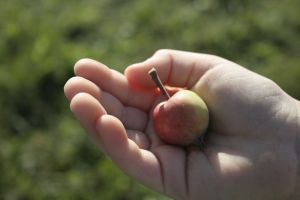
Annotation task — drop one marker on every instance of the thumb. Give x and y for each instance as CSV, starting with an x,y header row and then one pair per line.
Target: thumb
x,y
137,74
175,68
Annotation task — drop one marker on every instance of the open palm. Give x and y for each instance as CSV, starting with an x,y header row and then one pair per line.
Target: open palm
x,y
247,152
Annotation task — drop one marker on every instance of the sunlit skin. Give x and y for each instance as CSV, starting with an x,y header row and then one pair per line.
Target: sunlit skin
x,y
252,147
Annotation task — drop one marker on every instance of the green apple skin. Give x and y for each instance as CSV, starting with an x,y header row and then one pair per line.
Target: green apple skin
x,y
181,119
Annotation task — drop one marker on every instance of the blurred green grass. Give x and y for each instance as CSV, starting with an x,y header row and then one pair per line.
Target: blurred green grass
x,y
44,153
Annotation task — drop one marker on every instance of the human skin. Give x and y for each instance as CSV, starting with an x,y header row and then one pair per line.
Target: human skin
x,y
252,148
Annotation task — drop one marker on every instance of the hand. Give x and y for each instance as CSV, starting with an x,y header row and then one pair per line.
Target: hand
x,y
250,148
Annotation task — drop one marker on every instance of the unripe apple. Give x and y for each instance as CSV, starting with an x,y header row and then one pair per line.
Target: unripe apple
x,y
182,118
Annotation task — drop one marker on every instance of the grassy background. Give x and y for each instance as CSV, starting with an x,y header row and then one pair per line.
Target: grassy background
x,y
44,153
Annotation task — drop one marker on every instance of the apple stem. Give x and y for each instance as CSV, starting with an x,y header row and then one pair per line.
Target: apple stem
x,y
157,81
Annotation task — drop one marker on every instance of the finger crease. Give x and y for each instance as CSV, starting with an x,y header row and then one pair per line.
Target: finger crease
x,y
161,172
187,82
122,117
187,192
171,64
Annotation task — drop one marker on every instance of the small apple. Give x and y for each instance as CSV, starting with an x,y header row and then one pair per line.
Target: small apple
x,y
182,119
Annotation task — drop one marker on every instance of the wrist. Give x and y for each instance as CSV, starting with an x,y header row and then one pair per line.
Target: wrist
x,y
296,191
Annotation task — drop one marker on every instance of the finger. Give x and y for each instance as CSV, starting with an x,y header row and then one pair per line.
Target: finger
x,y
152,135
131,117
78,84
175,68
137,163
108,80
87,110
114,83
139,138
